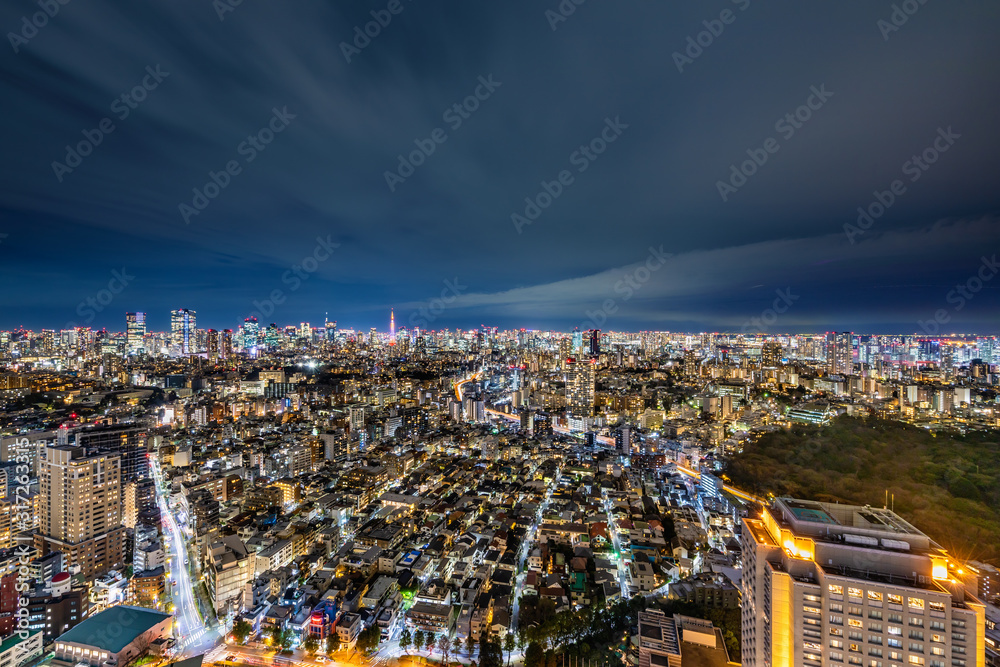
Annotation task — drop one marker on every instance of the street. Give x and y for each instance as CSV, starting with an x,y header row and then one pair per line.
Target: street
x,y
193,635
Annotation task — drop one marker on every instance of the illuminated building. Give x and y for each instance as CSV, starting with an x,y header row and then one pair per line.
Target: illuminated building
x,y
212,345
594,342
839,353
392,327
831,584
135,332
80,509
226,344
183,323
770,354
251,336
690,363
580,381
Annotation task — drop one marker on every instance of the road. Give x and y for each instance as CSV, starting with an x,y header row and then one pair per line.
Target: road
x,y
613,531
193,636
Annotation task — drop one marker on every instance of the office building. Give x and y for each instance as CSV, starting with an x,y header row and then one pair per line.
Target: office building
x,y
839,353
80,509
831,584
183,324
126,440
135,332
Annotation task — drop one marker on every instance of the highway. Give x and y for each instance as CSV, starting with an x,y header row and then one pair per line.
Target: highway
x,y
193,635
725,487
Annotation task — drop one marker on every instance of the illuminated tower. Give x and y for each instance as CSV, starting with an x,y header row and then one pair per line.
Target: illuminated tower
x,y
392,327
135,331
183,323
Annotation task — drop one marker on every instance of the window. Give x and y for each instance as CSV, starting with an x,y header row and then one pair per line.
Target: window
x,y
896,618
894,599
937,625
875,627
936,606
836,655
874,596
811,598
836,620
916,660
836,606
917,622
854,611
874,639
916,648
916,634
836,643
854,648
854,592
916,605
835,589
837,632
812,610
855,623
874,613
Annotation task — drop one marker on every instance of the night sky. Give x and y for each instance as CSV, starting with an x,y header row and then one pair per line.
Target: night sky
x,y
661,121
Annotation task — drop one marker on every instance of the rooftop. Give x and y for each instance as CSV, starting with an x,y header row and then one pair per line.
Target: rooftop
x,y
132,621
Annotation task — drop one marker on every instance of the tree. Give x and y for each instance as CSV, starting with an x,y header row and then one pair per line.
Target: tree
x,y
534,656
444,646
281,638
242,630
470,645
418,640
405,639
333,643
369,638
509,643
430,639
311,644
456,646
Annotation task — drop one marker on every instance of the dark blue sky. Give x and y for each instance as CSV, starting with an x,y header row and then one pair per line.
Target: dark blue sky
x,y
655,185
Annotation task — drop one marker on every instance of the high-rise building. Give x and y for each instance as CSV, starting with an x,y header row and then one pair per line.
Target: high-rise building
x,y
594,342
183,323
226,344
251,336
126,440
135,332
80,509
770,354
212,345
831,584
948,362
580,385
839,353
690,363
139,499
331,331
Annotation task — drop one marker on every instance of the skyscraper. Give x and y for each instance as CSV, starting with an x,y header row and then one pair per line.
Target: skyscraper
x,y
580,381
392,327
183,324
80,509
839,353
212,345
831,584
770,354
594,342
135,332
251,336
